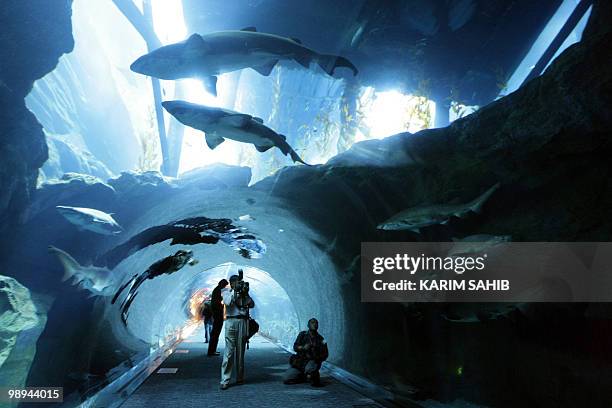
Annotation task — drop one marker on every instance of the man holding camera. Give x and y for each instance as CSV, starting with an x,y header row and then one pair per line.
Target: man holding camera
x,y
311,350
237,304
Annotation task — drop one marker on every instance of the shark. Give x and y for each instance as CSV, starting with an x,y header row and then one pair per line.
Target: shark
x,y
475,244
99,281
219,124
415,218
90,219
482,312
207,56
167,265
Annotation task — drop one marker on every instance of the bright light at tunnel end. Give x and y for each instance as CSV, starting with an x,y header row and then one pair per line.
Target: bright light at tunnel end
x,y
189,328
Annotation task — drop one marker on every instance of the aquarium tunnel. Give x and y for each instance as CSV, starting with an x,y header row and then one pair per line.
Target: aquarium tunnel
x,y
151,148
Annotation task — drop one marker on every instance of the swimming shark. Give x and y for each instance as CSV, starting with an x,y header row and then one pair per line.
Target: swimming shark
x,y
219,124
167,265
98,281
90,219
207,56
476,244
481,312
415,218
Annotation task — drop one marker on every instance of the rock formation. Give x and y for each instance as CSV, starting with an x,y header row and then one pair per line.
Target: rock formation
x,y
33,37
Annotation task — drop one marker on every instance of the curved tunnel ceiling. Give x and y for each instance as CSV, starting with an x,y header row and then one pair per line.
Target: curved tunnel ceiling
x,y
301,268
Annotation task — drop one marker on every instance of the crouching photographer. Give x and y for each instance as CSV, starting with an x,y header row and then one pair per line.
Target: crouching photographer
x,y
311,350
237,304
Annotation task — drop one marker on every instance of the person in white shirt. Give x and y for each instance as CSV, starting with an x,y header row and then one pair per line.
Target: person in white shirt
x,y
237,304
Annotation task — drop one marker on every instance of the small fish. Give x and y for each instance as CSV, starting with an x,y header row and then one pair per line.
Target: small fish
x,y
415,218
98,281
90,219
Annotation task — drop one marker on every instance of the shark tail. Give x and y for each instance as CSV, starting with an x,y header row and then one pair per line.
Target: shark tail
x,y
477,204
288,150
329,63
71,266
296,158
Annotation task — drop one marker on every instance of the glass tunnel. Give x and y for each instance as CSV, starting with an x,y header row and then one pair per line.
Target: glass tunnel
x,y
274,309
151,149
285,298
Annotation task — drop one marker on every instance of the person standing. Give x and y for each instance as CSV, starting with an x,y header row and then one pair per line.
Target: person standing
x,y
208,320
216,306
237,302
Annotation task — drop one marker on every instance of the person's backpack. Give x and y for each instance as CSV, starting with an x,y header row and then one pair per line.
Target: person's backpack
x,y
253,328
206,310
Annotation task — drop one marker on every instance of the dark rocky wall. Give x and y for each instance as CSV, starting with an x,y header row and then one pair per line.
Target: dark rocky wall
x,y
549,145
77,335
33,37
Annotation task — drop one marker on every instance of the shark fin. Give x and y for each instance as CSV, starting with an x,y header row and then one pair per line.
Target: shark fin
x,y
213,140
263,148
296,40
237,120
260,120
303,61
195,40
210,83
266,69
253,29
477,204
67,274
329,63
70,265
283,136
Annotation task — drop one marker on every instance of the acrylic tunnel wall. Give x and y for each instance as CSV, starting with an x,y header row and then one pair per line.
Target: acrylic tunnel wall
x,y
274,310
152,319
294,275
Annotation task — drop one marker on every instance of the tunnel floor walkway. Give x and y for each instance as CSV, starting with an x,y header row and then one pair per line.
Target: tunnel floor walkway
x,y
196,382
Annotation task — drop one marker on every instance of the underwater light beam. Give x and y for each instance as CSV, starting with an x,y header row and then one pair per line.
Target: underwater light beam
x,y
547,35
169,25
